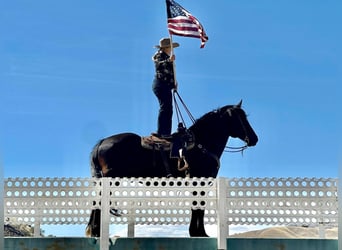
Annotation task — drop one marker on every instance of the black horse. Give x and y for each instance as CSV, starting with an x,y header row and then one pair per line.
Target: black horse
x,y
122,155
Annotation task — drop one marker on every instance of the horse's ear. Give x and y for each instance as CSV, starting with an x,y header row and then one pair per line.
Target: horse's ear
x,y
239,104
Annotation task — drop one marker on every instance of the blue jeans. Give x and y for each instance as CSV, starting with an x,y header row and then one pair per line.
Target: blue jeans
x,y
164,94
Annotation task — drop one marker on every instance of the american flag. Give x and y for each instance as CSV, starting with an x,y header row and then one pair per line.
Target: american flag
x,y
180,22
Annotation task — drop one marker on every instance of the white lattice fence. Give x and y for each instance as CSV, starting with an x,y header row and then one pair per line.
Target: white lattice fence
x,y
228,201
162,201
50,200
142,201
282,201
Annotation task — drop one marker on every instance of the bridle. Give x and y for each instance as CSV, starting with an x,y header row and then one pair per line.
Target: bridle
x,y
229,149
246,140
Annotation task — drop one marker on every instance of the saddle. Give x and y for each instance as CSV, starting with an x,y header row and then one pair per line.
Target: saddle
x,y
155,143
180,140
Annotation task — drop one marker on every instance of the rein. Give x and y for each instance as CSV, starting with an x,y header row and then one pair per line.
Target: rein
x,y
180,118
178,111
212,155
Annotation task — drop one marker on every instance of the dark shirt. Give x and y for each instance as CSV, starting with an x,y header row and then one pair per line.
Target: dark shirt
x,y
164,68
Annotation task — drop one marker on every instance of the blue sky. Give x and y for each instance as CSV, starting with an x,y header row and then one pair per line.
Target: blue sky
x,y
73,72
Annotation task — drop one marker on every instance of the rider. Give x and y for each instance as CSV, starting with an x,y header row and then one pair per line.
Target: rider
x,y
163,84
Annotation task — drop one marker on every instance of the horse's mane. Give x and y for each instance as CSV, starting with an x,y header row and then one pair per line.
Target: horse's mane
x,y
207,118
217,111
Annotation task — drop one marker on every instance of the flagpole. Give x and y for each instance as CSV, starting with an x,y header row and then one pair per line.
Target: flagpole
x,y
173,62
171,44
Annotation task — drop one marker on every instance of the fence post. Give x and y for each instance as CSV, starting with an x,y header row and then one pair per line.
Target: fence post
x,y
36,229
105,214
131,225
222,222
321,230
131,229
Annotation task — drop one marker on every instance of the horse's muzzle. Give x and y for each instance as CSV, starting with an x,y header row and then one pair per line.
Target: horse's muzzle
x,y
250,142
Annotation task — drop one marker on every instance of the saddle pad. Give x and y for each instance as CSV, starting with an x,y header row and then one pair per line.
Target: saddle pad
x,y
156,143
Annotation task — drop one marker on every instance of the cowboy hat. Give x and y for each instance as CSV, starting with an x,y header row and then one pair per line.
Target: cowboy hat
x,y
166,43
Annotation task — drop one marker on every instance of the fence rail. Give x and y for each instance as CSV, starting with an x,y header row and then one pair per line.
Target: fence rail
x,y
159,201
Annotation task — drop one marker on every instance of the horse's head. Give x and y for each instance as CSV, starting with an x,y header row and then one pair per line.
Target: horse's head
x,y
239,125
214,128
212,132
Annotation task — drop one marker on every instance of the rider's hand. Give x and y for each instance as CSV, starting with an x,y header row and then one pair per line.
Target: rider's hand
x,y
172,58
176,86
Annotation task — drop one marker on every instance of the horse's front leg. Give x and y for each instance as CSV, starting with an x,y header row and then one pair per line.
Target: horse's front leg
x,y
196,228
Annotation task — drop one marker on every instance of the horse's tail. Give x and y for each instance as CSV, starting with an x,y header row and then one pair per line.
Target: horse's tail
x,y
93,226
94,161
